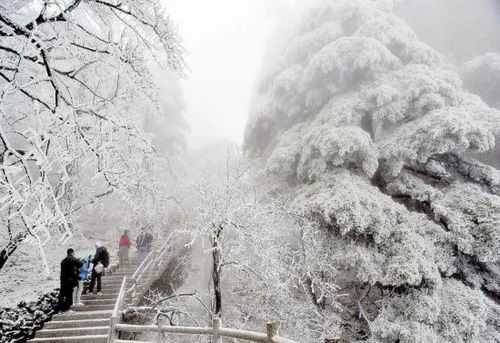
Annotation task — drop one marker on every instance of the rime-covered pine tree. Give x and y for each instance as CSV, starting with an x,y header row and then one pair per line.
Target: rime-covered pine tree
x,y
374,133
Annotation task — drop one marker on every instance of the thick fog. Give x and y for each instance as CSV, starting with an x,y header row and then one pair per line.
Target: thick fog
x,y
225,42
460,29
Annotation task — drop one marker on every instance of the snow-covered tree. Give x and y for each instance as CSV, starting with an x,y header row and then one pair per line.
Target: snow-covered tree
x,y
373,131
75,89
252,260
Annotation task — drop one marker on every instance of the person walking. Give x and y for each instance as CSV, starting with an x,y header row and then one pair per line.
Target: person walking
x,y
69,280
144,244
83,276
100,262
123,249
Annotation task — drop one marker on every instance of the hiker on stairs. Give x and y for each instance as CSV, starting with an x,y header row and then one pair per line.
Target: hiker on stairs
x,y
123,249
144,244
70,266
100,262
83,276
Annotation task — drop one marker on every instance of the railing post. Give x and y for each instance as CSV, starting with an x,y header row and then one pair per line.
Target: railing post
x,y
112,330
217,324
272,329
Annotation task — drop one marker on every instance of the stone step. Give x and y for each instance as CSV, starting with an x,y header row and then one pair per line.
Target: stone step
x,y
93,308
118,280
62,324
116,285
99,301
70,332
127,269
104,296
72,339
110,290
117,275
83,315
122,270
130,269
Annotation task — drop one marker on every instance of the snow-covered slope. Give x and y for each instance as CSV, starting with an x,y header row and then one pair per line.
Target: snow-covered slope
x,y
24,277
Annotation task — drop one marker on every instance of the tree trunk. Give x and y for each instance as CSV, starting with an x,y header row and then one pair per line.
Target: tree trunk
x,y
216,271
10,248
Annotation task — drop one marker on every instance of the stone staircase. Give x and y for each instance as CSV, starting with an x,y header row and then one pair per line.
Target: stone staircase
x,y
89,323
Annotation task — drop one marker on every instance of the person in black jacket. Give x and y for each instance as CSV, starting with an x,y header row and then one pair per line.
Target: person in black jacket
x,y
100,261
144,243
70,267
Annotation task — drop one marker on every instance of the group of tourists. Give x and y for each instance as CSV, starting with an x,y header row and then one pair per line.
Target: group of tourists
x,y
143,243
79,275
75,275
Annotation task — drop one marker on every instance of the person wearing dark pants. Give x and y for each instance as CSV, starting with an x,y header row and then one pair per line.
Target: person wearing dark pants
x,y
144,244
65,297
69,280
96,277
100,261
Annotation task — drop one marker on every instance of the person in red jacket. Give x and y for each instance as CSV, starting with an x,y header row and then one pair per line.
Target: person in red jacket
x,y
123,248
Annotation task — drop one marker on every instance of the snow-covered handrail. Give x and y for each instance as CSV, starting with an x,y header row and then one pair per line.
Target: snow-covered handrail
x,y
217,331
116,311
140,268
140,271
152,262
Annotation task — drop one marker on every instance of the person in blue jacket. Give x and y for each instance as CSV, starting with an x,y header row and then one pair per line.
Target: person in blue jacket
x,y
83,277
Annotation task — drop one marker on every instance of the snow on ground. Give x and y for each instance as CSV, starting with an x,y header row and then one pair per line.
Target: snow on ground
x,y
24,279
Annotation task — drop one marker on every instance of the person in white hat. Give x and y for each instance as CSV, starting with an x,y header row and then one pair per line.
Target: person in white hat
x,y
100,262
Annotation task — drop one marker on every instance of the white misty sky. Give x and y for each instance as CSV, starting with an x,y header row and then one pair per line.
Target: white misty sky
x,y
226,40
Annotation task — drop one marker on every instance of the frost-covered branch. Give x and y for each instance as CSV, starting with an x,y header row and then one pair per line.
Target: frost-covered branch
x,y
73,107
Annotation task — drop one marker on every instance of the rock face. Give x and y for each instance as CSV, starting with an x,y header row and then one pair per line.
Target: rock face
x,y
20,323
380,144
